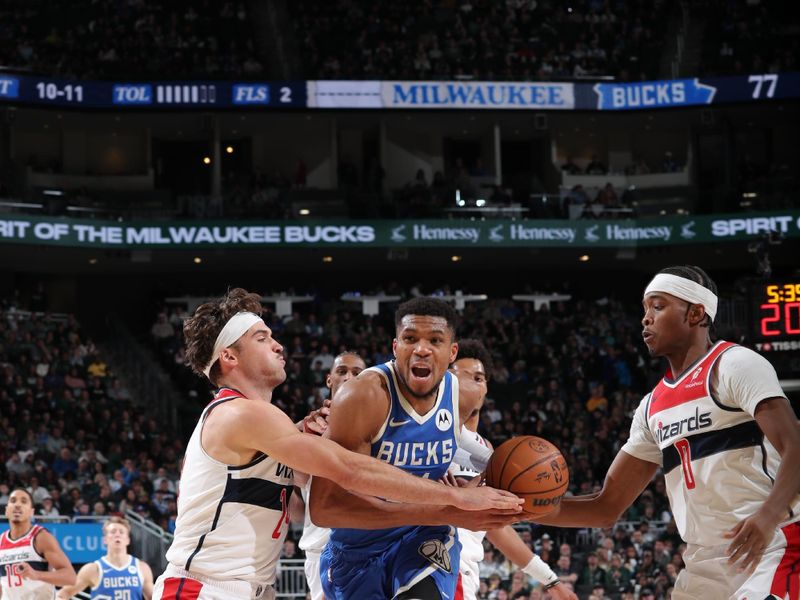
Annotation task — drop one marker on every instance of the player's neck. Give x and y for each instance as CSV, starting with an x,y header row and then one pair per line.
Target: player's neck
x,y
118,558
420,404
17,530
248,389
682,359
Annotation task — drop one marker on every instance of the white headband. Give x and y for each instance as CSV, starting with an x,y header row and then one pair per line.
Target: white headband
x,y
235,328
685,289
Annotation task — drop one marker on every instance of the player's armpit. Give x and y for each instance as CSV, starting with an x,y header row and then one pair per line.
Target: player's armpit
x,y
627,477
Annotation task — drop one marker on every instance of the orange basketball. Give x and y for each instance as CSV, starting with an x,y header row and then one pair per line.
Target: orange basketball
x,y
533,469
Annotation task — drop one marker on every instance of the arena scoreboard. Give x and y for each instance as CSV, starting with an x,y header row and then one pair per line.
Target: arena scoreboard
x,y
143,95
29,90
775,315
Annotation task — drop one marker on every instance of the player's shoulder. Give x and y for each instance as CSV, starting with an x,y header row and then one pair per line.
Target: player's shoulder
x,y
369,385
741,359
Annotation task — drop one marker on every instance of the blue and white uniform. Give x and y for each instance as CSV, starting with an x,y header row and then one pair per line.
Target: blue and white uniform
x,y
382,563
114,583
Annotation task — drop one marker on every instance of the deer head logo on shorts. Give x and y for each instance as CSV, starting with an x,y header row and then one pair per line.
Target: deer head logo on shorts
x,y
436,552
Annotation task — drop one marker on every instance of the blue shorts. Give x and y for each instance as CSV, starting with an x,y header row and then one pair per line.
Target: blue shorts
x,y
382,573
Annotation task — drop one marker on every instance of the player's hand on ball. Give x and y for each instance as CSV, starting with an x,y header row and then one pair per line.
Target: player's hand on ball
x,y
561,592
749,540
484,498
25,571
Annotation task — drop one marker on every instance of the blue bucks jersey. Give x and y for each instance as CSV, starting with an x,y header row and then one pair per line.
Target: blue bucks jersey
x,y
118,584
421,445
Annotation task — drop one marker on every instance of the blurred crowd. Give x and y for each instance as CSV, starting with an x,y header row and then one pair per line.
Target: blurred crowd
x,y
70,431
520,40
129,38
747,37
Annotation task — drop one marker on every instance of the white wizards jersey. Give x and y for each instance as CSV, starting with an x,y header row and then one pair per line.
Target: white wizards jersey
x,y
471,541
13,552
718,465
232,520
314,538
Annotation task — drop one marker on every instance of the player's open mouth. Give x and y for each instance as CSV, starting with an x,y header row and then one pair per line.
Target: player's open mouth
x,y
647,336
420,372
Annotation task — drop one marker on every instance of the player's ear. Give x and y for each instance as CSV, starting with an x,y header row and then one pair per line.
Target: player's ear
x,y
697,314
394,347
453,352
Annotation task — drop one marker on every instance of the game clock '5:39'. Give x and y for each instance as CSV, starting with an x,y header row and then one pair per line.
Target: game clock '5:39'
x,y
776,311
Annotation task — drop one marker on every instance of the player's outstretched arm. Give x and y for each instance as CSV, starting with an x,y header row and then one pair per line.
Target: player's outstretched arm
x,y
62,572
626,479
264,427
750,537
88,576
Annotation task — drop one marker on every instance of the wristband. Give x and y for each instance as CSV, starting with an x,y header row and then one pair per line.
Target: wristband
x,y
552,584
539,570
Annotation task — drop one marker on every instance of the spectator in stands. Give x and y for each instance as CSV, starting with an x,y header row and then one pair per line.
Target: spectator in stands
x,y
617,576
668,165
565,571
592,573
595,167
48,509
570,167
65,463
162,329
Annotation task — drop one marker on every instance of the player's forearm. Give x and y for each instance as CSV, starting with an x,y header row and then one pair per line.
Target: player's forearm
x,y
582,511
787,485
376,478
334,507
60,577
509,543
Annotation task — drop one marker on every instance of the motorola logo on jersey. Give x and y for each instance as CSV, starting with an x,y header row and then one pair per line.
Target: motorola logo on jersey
x,y
416,454
444,420
691,424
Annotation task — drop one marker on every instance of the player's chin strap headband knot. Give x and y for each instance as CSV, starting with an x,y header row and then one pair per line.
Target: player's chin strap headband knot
x,y
235,328
685,289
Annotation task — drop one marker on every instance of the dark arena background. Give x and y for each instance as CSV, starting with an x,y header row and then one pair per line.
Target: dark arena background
x,y
533,162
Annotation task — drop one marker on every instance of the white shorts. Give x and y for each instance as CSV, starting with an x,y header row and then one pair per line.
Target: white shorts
x,y
468,585
177,583
312,575
708,576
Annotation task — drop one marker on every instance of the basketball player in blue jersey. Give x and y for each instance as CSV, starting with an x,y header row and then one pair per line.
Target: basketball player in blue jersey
x,y
117,574
406,413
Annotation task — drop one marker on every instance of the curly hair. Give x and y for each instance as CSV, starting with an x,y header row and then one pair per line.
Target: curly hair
x,y
200,331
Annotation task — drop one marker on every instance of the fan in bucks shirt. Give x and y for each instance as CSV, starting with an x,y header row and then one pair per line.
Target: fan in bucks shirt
x,y
31,561
728,442
117,574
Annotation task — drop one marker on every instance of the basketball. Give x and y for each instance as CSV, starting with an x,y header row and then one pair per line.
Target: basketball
x,y
531,468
